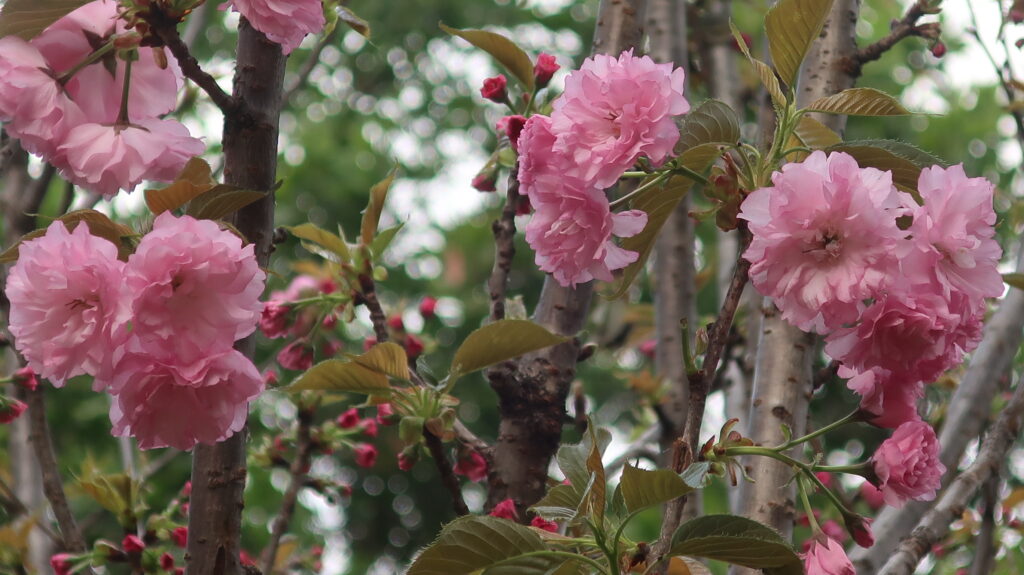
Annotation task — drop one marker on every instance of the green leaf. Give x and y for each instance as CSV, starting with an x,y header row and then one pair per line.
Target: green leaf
x,y
792,26
815,135
859,102
644,488
367,373
572,458
1014,280
221,201
697,475
658,203
384,239
27,18
597,495
473,543
739,541
905,161
560,502
764,71
712,122
322,238
500,341
353,21
371,216
194,179
515,60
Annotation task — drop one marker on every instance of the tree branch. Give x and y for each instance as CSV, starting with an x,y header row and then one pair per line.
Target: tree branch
x,y
444,467
935,524
986,546
898,30
298,471
377,316
166,29
504,229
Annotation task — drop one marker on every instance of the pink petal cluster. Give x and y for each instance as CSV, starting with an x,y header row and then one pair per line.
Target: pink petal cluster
x,y
613,112
907,464
900,306
156,332
827,558
286,22
824,237
75,121
66,302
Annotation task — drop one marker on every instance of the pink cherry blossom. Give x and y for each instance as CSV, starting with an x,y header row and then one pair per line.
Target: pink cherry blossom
x,y
473,467
615,110
826,557
543,173
572,237
163,402
286,22
823,238
505,510
953,234
97,88
105,158
37,110
66,301
915,337
195,287
907,464
366,455
889,400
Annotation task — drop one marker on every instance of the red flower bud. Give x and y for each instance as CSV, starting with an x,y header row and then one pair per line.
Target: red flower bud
x,y
132,544
428,305
26,378
167,562
938,49
495,89
366,455
505,510
512,126
349,419
395,322
541,523
413,346
11,409
61,563
544,69
485,181
180,536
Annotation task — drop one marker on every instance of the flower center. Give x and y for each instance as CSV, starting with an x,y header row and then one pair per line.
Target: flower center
x,y
827,244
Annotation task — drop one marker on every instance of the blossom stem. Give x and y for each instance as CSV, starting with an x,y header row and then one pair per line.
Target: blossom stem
x,y
122,116
802,490
92,58
855,468
661,177
687,172
850,418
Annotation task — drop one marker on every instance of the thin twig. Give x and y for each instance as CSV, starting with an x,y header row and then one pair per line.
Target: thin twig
x,y
504,229
444,467
309,65
298,471
900,29
39,438
986,545
686,446
936,523
167,30
377,316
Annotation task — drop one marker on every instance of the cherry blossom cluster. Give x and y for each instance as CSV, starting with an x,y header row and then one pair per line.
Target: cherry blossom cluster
x,y
898,287
155,332
613,112
87,98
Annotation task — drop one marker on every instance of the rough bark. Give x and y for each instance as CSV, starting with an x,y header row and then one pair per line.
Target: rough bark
x,y
968,412
250,149
782,381
532,391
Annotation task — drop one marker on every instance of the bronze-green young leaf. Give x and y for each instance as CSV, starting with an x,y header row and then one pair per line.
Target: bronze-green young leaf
x,y
473,543
658,203
371,216
194,179
1014,280
221,201
739,541
859,102
387,358
712,122
511,56
792,26
764,71
643,488
27,18
341,375
353,21
323,238
99,225
500,341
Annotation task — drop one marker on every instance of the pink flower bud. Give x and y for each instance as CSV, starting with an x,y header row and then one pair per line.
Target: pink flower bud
x,y
61,563
297,356
860,528
824,477
385,414
395,322
473,467
495,89
369,426
505,510
485,181
11,409
366,455
413,346
407,458
349,419
512,126
872,495
132,544
186,491
938,49
180,536
825,556
648,348
26,377
541,523
167,562
428,305
544,69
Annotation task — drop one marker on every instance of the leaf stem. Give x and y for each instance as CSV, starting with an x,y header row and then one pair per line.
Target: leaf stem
x,y
850,418
89,60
